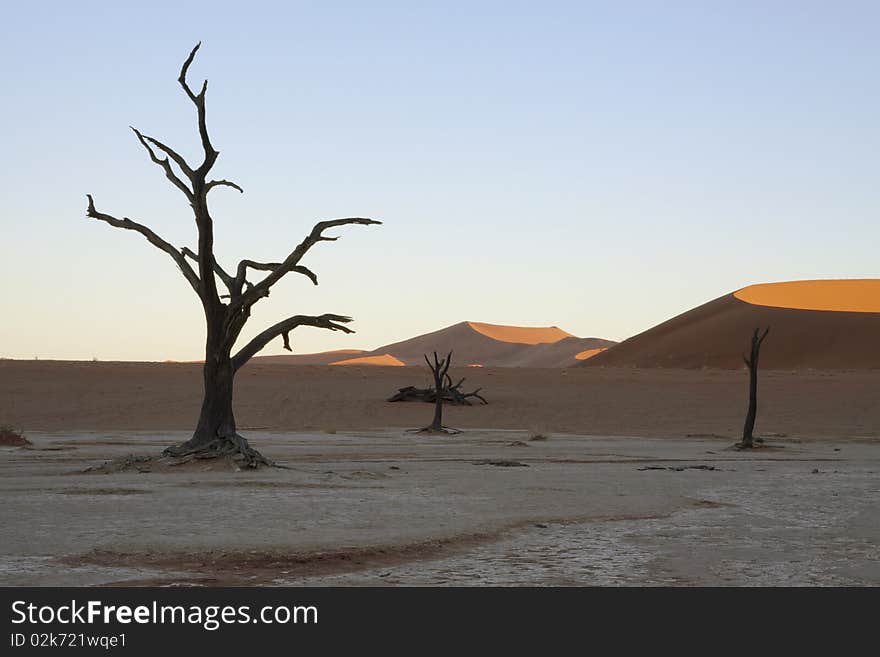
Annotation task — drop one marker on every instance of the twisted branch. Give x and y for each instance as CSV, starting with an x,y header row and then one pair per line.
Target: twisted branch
x,y
199,101
165,164
291,263
152,237
222,183
283,328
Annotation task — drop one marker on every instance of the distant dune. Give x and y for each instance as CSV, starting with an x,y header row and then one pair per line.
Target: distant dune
x,y
321,358
520,334
473,343
845,295
589,353
386,360
827,324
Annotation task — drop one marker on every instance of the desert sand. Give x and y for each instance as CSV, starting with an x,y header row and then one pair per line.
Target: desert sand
x,y
86,396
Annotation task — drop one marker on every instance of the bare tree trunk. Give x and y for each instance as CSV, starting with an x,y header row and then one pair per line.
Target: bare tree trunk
x,y
749,427
439,369
215,433
437,422
751,362
217,417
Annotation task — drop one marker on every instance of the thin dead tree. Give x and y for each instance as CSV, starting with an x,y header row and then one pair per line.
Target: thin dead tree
x,y
439,369
751,362
225,314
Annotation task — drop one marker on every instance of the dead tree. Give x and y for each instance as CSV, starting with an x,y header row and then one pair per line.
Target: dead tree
x,y
452,394
225,314
439,368
751,362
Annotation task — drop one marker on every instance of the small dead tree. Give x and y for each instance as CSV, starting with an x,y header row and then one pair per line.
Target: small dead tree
x,y
452,394
751,362
225,314
439,369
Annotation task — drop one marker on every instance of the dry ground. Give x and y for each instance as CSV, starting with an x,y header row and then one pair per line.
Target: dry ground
x,y
390,507
367,506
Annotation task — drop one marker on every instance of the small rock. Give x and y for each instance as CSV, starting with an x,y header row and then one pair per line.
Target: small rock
x,y
815,470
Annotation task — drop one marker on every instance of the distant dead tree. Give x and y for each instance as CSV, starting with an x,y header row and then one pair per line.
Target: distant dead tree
x,y
452,394
439,369
751,362
225,314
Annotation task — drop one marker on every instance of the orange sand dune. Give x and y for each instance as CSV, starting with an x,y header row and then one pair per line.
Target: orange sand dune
x,y
478,343
493,345
521,334
717,333
386,360
844,295
589,353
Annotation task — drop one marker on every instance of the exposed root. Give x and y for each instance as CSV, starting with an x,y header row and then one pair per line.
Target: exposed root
x,y
755,444
228,445
231,453
144,464
9,437
442,431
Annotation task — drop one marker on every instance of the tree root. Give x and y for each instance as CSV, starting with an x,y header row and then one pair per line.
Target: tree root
x,y
230,444
756,443
446,431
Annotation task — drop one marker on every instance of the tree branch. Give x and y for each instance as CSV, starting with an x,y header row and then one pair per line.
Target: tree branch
x,y
290,263
283,328
199,101
228,281
243,266
222,183
165,164
152,237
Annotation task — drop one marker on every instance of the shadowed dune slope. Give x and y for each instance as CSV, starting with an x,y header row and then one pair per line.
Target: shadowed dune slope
x,y
321,358
717,333
495,346
473,343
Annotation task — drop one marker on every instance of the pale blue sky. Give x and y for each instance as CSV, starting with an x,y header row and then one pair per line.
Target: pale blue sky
x,y
600,166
